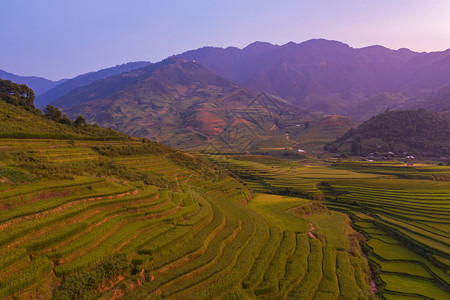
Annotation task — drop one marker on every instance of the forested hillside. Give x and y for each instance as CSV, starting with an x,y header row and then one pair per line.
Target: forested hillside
x,y
402,132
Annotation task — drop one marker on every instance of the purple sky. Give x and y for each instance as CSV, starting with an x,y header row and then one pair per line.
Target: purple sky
x,y
64,38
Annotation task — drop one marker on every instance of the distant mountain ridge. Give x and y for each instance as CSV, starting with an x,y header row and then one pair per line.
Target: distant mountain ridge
x,y
38,84
86,79
183,104
328,76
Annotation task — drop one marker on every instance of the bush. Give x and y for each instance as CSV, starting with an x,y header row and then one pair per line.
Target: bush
x,y
84,285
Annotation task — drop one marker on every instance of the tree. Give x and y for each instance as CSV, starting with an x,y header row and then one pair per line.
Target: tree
x,y
17,94
52,113
80,121
65,120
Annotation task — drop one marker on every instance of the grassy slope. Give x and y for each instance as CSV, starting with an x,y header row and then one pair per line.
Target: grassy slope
x,y
15,122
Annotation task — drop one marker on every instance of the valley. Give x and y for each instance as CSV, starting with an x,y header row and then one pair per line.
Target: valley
x,y
301,171
181,231
135,219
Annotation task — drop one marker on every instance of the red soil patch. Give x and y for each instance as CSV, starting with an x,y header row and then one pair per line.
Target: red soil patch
x,y
109,284
331,121
4,180
310,233
241,121
51,194
210,122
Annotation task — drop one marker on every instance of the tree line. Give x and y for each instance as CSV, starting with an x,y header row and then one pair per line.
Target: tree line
x,y
21,95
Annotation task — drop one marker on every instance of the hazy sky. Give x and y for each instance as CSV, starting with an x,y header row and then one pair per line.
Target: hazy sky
x,y
64,38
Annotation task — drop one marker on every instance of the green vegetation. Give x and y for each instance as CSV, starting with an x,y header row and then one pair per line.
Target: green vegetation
x,y
24,122
74,213
16,94
407,224
274,207
71,213
84,285
402,210
323,130
276,176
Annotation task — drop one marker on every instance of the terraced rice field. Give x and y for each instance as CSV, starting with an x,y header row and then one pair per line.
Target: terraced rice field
x,y
191,236
325,263
266,175
416,171
406,221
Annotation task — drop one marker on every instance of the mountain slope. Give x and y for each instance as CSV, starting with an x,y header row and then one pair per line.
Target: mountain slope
x,y
85,79
183,104
327,75
435,100
439,101
413,132
38,84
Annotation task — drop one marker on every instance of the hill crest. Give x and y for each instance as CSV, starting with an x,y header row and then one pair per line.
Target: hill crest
x,y
85,79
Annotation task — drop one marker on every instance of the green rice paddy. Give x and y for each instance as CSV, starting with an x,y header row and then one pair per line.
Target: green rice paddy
x,y
403,212
163,225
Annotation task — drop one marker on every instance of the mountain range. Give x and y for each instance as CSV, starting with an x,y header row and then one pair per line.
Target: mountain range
x,y
183,104
267,96
321,75
330,76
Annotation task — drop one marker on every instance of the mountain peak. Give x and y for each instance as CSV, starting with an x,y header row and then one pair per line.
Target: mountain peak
x,y
328,75
259,46
174,60
323,43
